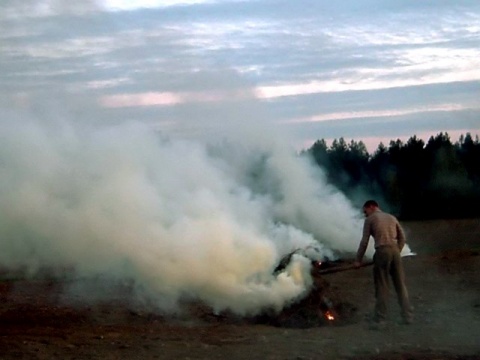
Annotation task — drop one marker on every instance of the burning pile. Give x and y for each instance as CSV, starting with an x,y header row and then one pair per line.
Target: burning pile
x,y
320,307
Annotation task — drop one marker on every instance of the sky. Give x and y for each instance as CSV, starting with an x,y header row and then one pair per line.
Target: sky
x,y
366,70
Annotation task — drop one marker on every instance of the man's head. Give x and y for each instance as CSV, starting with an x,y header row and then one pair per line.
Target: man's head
x,y
369,207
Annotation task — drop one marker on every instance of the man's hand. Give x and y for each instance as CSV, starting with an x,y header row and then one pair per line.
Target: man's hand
x,y
357,264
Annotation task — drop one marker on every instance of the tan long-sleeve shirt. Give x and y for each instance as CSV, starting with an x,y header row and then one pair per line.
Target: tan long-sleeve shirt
x,y
385,229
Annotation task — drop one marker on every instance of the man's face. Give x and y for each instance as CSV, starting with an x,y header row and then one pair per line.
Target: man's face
x,y
368,210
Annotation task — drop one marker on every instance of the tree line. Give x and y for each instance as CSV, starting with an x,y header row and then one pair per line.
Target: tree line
x,y
416,180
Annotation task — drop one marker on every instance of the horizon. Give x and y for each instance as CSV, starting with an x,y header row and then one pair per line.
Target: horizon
x,y
373,143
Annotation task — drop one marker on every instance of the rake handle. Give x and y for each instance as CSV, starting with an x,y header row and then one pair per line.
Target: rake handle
x,y
333,270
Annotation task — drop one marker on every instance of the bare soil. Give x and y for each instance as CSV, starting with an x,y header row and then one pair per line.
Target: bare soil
x,y
39,320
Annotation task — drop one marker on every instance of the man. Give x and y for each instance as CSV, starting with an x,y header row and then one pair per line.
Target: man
x,y
389,241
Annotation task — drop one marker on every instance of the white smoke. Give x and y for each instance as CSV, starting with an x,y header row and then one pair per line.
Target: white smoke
x,y
180,218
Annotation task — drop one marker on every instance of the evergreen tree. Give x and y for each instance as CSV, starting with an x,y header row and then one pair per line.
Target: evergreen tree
x,y
416,180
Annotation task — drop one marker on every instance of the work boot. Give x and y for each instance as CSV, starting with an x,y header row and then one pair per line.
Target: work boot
x,y
407,321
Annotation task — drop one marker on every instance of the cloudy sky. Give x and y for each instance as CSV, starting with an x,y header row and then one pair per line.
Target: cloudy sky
x,y
370,70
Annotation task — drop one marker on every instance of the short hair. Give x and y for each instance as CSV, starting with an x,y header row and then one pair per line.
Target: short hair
x,y
370,203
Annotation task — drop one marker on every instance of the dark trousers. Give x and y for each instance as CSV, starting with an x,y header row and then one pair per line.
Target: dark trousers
x,y
387,263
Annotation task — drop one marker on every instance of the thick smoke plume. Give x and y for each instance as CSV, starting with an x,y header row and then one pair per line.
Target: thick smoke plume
x,y
178,218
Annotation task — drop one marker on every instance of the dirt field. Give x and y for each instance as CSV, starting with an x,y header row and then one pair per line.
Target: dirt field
x,y
38,321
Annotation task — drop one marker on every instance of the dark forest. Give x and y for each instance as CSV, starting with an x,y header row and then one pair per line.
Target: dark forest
x,y
415,180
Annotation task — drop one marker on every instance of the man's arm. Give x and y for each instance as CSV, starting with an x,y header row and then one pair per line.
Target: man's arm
x,y
362,247
401,240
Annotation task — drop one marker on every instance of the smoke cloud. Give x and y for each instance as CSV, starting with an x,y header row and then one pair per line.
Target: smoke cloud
x,y
180,218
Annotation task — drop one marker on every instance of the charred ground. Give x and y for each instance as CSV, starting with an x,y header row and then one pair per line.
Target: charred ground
x,y
39,319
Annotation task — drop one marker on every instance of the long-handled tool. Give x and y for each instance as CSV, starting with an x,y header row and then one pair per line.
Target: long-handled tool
x,y
336,269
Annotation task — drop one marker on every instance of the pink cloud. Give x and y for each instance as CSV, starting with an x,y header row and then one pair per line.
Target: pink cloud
x,y
172,98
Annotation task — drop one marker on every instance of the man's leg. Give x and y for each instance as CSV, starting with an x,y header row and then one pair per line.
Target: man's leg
x,y
398,279
380,275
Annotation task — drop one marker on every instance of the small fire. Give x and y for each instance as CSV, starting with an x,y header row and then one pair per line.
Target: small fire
x,y
329,316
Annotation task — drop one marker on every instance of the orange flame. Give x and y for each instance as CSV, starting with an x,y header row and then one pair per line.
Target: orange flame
x,y
329,315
